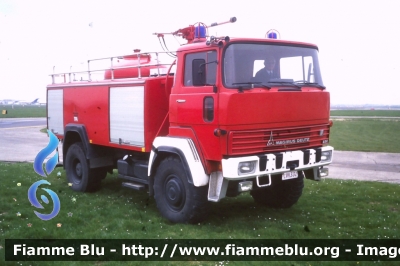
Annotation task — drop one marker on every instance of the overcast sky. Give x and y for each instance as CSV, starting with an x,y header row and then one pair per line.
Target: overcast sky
x,y
359,41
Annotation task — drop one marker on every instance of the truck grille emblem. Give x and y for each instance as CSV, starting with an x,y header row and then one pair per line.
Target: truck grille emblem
x,y
271,140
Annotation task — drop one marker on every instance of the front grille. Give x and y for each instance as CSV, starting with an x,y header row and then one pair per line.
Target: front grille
x,y
276,140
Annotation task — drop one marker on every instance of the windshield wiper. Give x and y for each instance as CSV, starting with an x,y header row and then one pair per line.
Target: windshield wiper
x,y
284,83
251,83
313,84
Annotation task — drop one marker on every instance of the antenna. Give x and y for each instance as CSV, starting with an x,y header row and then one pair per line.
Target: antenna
x,y
231,20
196,31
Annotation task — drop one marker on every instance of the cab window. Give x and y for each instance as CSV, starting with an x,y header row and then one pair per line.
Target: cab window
x,y
200,69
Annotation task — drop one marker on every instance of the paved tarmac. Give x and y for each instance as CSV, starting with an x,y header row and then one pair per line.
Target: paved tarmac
x,y
369,166
22,122
21,144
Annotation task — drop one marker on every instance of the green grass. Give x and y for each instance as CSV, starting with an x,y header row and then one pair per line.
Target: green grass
x,y
22,111
389,113
330,209
372,135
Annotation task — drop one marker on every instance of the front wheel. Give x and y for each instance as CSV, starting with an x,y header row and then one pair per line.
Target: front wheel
x,y
178,200
281,194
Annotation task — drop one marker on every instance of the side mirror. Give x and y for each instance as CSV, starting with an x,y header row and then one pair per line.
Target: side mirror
x,y
199,72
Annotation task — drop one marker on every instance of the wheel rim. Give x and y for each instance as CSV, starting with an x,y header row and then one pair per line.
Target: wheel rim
x,y
78,171
175,193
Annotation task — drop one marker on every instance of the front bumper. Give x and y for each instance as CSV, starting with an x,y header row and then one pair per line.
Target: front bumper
x,y
256,166
277,163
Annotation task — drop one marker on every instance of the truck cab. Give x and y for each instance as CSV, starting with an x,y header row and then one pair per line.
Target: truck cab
x,y
247,127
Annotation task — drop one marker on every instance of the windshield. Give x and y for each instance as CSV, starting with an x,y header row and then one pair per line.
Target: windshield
x,y
252,64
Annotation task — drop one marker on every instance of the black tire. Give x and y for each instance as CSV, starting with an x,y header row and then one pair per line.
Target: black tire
x,y
177,199
281,194
79,174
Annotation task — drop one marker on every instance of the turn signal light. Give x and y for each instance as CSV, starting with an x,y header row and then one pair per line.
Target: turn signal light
x,y
219,132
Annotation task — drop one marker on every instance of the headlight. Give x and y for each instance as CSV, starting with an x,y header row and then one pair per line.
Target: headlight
x,y
246,168
326,156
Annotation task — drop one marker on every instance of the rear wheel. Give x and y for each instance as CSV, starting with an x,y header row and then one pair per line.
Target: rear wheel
x,y
281,194
177,199
79,174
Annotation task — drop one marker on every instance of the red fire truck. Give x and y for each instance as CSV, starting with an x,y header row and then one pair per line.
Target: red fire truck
x,y
208,126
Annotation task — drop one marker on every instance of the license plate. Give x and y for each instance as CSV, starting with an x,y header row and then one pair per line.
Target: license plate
x,y
290,175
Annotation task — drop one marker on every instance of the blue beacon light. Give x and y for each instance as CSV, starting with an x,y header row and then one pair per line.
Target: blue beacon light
x,y
272,34
200,32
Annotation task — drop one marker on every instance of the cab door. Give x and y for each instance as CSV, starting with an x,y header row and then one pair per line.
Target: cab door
x,y
194,101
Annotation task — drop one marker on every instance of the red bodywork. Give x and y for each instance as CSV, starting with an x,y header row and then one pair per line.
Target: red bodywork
x,y
250,119
123,67
89,105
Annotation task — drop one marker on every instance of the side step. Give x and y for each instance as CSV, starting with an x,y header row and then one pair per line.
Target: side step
x,y
135,186
135,174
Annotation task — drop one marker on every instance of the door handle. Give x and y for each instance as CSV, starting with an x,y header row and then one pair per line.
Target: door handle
x,y
180,101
